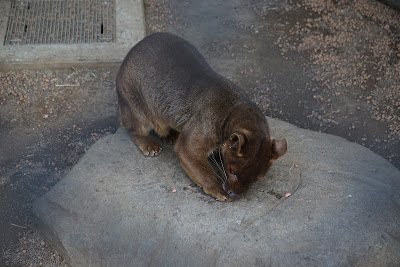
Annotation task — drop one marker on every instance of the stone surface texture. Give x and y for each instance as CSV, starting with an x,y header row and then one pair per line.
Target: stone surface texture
x,y
119,208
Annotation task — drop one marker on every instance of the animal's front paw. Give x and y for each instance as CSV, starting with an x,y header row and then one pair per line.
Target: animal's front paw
x,y
218,194
152,150
222,198
147,144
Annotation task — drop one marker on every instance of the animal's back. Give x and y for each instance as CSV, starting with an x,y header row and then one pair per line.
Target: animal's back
x,y
172,78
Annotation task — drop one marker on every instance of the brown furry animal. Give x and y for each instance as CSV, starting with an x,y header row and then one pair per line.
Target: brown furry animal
x,y
165,85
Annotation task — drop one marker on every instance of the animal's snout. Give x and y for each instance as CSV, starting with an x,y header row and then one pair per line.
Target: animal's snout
x,y
232,195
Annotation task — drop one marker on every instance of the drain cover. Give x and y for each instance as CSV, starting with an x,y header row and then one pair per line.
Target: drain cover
x,y
60,22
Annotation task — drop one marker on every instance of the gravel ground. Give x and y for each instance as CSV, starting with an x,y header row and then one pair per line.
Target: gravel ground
x,y
48,120
32,250
330,66
355,48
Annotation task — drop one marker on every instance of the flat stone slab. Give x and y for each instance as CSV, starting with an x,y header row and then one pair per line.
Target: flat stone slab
x,y
119,208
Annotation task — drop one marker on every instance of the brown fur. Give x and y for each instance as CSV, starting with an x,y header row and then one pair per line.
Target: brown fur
x,y
165,85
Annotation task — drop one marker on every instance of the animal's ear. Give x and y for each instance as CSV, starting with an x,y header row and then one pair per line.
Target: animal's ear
x,y
237,142
279,148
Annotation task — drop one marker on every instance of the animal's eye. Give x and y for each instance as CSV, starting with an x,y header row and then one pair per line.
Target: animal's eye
x,y
234,174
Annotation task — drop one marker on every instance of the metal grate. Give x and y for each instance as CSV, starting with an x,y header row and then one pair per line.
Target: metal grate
x,y
60,22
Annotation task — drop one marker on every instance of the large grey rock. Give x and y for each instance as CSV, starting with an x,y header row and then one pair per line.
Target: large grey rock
x,y
117,208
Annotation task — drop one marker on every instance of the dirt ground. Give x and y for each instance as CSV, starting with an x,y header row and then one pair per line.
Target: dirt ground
x,y
48,120
330,66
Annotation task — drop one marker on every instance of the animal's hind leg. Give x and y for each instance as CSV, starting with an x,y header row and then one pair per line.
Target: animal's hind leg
x,y
166,133
171,137
138,128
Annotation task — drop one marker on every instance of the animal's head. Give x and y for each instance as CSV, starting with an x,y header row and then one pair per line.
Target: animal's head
x,y
247,157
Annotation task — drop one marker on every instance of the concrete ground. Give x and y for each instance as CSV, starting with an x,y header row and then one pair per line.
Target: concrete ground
x,y
331,67
129,25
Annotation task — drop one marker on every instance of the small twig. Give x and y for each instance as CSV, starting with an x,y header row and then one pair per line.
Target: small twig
x,y
291,168
18,226
66,85
72,72
94,75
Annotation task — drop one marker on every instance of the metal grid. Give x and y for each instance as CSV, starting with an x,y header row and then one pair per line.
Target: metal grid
x,y
60,22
